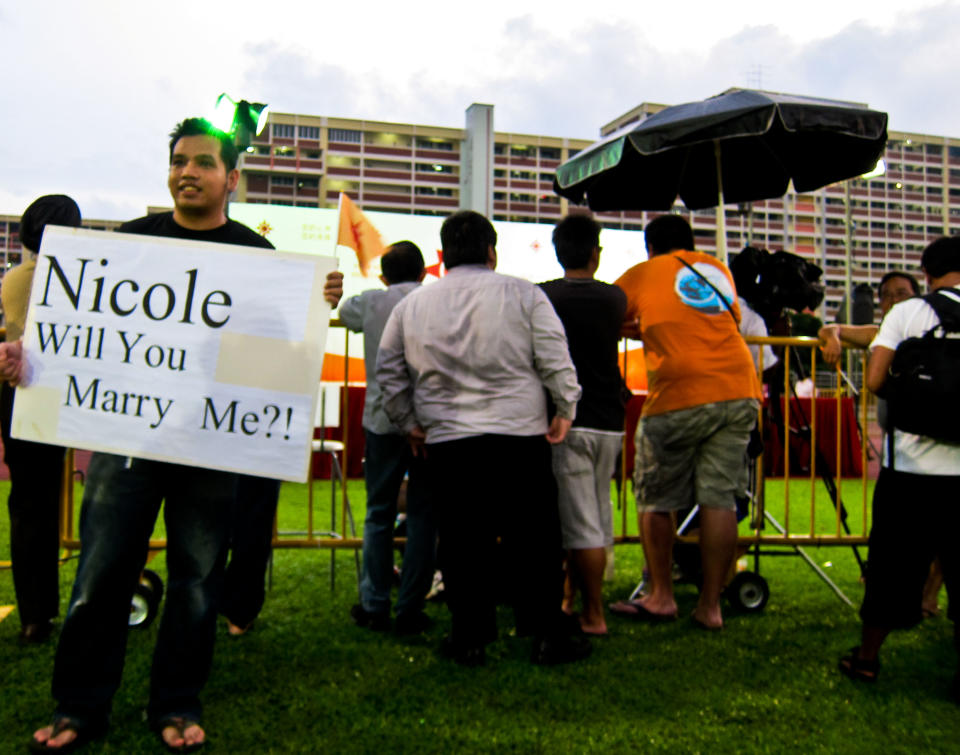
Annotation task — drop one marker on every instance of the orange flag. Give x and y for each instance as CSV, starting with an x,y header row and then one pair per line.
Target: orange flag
x,y
359,234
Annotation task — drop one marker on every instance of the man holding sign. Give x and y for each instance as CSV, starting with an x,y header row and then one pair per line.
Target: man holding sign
x,y
122,499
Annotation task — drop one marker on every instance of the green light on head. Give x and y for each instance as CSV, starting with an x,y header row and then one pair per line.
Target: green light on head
x,y
224,113
264,111
242,120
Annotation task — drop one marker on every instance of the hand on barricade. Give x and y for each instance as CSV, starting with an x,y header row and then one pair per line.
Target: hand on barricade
x,y
830,346
630,329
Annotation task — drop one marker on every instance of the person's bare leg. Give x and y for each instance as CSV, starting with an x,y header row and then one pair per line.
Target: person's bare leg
x,y
568,606
931,590
871,639
590,563
657,529
718,540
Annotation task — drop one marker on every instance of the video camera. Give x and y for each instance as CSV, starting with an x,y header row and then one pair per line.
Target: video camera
x,y
773,282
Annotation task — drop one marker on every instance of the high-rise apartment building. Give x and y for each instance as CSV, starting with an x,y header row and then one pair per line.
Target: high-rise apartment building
x,y
307,160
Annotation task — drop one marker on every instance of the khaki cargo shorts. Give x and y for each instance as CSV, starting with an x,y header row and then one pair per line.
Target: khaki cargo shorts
x,y
693,456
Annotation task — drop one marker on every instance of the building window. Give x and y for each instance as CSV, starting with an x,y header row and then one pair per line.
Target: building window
x,y
308,183
309,132
435,144
433,168
549,153
350,135
281,180
282,131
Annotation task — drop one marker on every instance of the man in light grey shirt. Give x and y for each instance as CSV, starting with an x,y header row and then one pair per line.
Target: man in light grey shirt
x,y
388,458
462,367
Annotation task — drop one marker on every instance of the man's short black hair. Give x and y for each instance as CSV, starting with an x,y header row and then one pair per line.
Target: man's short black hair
x,y
202,127
466,238
52,209
575,238
941,257
402,263
666,233
914,283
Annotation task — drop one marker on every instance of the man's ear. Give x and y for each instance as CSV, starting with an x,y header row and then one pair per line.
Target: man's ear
x,y
383,280
423,274
491,257
233,178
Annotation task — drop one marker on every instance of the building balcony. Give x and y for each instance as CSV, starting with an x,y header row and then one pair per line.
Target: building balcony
x,y
343,147
371,149
438,154
395,175
436,178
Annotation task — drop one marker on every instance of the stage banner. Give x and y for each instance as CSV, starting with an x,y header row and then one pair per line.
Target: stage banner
x,y
182,351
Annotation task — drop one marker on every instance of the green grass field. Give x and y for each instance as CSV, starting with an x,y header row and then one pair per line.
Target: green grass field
x,y
306,680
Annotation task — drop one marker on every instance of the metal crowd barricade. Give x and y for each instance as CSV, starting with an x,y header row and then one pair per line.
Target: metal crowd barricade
x,y
799,525
765,535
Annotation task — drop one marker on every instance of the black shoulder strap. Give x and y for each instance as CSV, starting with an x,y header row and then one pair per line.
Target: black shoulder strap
x,y
946,303
718,291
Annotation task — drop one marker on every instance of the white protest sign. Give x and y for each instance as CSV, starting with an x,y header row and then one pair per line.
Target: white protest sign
x,y
183,351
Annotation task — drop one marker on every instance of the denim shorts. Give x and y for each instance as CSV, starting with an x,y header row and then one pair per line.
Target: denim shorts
x,y
693,456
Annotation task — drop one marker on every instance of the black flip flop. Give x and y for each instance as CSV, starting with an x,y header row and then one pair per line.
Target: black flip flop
x,y
641,613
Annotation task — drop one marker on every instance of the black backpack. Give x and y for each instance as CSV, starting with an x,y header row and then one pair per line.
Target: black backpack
x,y
923,387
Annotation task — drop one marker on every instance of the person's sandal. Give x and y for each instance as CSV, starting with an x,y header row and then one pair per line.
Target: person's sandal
x,y
858,669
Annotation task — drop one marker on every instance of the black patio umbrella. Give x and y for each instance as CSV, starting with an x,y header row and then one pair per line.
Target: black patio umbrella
x,y
756,141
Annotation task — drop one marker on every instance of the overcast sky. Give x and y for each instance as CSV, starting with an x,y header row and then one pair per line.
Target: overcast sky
x,y
92,88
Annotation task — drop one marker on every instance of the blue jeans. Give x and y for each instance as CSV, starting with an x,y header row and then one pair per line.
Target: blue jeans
x,y
388,458
120,505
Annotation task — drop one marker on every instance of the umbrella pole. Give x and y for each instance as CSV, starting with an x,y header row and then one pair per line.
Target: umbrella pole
x,y
721,214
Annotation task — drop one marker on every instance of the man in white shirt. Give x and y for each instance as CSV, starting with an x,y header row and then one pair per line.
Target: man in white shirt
x,y
462,367
924,475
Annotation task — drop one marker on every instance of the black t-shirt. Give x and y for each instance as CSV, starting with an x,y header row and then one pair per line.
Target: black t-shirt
x,y
163,224
592,312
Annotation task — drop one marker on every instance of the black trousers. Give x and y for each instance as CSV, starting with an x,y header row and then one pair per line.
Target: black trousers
x,y
36,472
251,535
497,486
915,519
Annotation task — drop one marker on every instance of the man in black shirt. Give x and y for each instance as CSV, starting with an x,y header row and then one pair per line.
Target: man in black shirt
x,y
591,312
121,501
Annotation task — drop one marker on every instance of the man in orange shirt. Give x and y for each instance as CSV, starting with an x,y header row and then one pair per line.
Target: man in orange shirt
x,y
702,403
